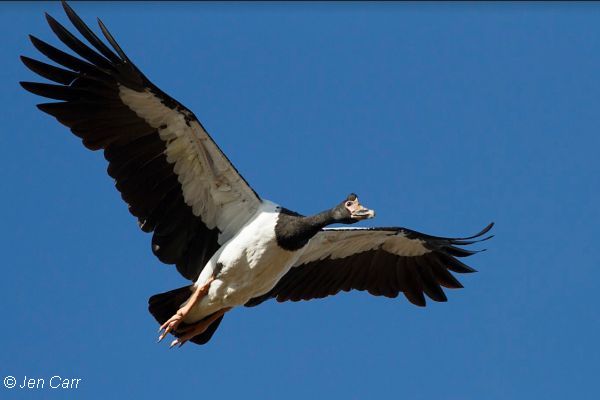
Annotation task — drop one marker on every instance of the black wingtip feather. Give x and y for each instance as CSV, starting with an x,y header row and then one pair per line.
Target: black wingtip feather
x,y
457,266
446,279
416,299
458,252
113,42
44,107
56,92
49,72
62,58
477,235
461,242
77,45
484,231
91,37
48,108
430,284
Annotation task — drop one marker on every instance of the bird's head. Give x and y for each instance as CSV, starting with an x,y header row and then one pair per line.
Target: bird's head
x,y
351,211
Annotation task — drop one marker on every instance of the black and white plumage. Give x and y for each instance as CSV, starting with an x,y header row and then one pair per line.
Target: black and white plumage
x,y
237,248
382,261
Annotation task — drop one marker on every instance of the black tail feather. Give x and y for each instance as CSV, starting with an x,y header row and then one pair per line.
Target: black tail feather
x,y
204,337
164,305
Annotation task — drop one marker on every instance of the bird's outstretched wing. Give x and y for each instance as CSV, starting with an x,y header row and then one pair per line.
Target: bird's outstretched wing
x,y
173,176
383,261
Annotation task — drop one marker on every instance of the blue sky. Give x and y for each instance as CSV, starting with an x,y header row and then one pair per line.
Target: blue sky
x,y
442,117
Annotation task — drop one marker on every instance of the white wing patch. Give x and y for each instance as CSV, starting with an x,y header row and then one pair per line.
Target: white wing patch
x,y
341,243
211,186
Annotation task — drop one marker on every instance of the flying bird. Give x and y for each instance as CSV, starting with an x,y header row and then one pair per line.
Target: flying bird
x,y
235,247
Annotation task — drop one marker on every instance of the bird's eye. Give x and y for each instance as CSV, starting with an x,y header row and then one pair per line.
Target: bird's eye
x,y
348,203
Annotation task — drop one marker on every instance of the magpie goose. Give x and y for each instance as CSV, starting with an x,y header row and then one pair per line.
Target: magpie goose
x,y
235,247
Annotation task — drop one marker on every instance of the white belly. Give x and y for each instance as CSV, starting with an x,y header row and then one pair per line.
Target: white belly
x,y
252,262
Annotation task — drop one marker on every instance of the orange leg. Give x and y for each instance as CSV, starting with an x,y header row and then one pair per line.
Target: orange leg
x,y
198,328
173,322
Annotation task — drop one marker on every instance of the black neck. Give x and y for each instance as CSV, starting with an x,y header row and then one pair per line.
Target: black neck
x,y
293,230
320,220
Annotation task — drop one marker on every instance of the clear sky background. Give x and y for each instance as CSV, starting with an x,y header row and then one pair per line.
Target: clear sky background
x,y
442,117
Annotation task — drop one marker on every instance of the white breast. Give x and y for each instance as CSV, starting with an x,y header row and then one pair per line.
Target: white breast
x,y
252,263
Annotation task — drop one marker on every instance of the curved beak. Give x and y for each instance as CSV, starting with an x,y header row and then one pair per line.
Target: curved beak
x,y
360,213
